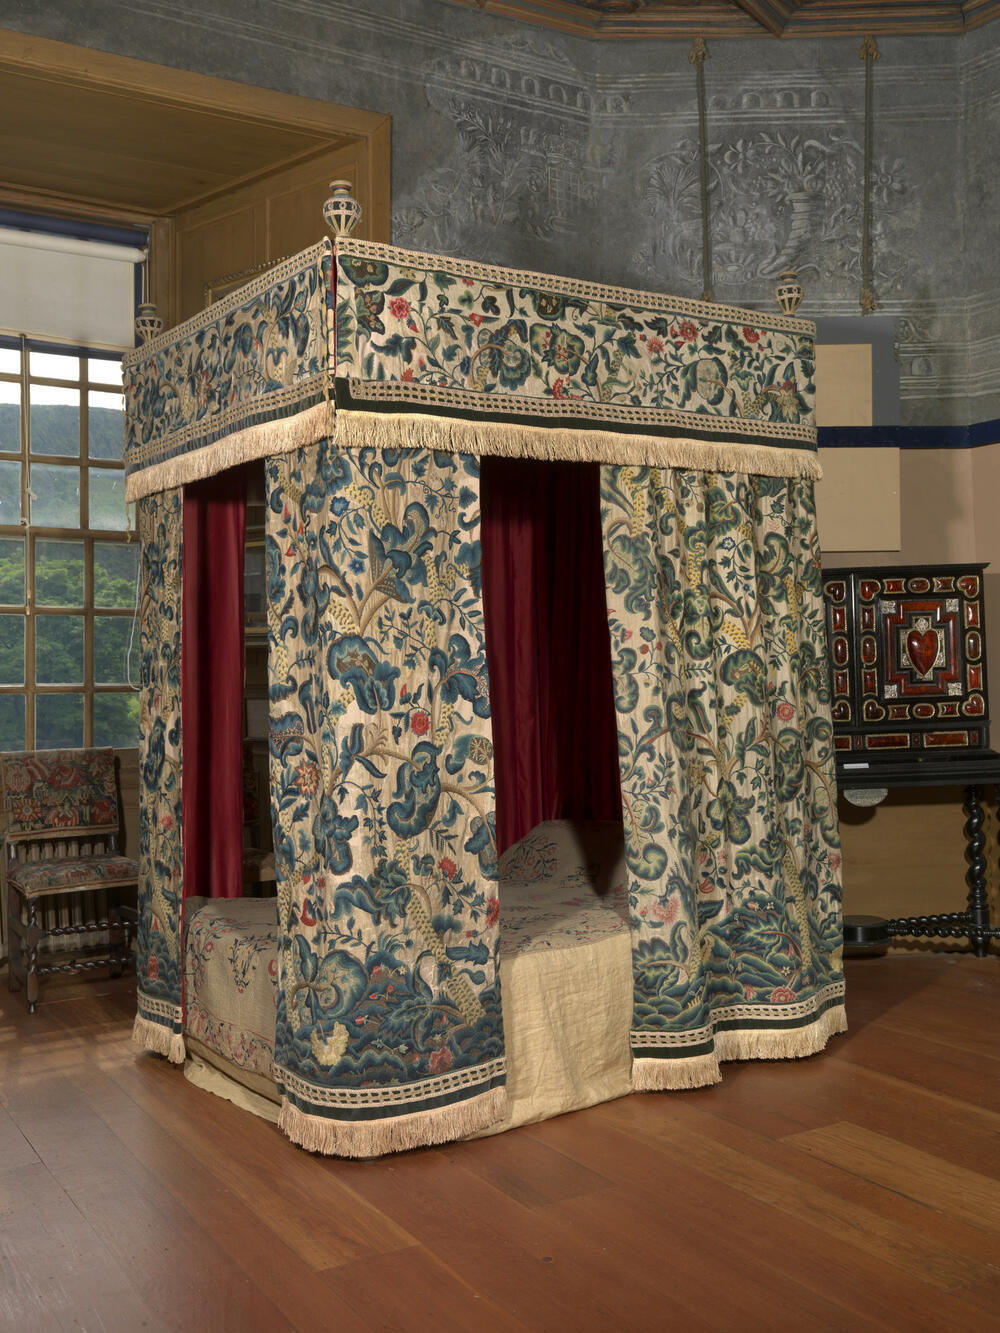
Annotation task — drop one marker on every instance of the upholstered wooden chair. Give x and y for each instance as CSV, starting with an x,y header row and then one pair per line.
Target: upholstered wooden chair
x,y
61,838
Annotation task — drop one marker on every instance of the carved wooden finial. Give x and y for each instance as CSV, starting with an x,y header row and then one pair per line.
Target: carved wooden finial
x,y
869,49
699,51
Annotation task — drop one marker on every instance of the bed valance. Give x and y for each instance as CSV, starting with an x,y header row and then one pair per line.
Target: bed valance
x,y
364,343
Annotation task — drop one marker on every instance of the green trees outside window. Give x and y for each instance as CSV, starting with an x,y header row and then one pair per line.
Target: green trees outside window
x,y
68,642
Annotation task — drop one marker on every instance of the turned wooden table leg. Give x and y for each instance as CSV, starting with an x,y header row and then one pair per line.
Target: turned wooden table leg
x,y
31,936
978,908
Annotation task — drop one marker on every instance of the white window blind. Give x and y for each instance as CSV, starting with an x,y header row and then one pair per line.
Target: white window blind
x,y
66,289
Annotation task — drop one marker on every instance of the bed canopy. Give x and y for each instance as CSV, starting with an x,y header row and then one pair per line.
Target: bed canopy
x,y
373,381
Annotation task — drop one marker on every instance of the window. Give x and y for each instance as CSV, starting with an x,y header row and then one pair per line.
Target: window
x,y
68,563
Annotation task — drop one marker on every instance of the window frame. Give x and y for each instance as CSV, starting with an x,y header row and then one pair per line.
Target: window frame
x,y
88,536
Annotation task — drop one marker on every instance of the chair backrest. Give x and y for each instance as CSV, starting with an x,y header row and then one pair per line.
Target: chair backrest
x,y
58,793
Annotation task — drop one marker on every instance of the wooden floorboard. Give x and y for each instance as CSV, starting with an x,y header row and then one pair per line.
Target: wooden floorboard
x,y
855,1190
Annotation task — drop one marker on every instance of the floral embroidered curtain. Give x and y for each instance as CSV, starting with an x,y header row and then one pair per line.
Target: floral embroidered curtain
x,y
159,1017
372,400
726,760
389,1029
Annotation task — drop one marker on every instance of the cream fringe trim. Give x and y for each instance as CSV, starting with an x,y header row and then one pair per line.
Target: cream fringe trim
x,y
698,1071
372,1138
155,1037
280,436
653,1075
416,430
404,430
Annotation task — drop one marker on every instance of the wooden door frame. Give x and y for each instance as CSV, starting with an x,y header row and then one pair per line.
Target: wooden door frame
x,y
146,82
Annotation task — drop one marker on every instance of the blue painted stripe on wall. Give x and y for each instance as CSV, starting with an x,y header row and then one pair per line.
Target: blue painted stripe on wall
x,y
909,437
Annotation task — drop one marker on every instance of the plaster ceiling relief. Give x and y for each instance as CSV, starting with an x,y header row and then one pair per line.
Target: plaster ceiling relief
x,y
745,18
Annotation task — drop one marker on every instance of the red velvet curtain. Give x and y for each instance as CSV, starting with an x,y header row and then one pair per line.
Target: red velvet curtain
x,y
212,685
551,695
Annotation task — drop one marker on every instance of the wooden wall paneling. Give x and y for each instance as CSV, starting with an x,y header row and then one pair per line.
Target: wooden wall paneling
x,y
232,238
296,197
161,248
263,219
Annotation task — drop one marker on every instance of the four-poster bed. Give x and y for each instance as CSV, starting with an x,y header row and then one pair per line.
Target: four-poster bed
x,y
374,382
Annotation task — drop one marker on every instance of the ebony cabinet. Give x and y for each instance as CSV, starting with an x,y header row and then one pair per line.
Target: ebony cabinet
x,y
908,659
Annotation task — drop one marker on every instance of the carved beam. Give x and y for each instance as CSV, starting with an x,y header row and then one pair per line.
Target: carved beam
x,y
770,14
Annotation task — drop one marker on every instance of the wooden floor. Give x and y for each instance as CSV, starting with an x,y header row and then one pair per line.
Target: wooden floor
x,y
854,1190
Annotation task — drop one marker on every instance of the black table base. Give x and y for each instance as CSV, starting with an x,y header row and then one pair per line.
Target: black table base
x,y
869,935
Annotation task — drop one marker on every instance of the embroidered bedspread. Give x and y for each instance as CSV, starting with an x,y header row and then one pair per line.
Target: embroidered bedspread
x,y
562,887
231,973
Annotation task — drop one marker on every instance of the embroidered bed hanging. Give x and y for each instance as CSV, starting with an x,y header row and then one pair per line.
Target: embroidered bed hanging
x,y
372,380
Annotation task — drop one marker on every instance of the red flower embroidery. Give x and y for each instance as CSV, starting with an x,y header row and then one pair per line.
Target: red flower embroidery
x,y
687,331
559,388
751,335
785,711
153,967
467,282
440,1060
18,778
307,777
492,911
655,345
666,912
782,995
166,821
401,309
477,319
834,860
419,723
447,866
407,374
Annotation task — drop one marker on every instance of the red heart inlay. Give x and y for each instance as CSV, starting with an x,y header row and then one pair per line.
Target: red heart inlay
x,y
922,647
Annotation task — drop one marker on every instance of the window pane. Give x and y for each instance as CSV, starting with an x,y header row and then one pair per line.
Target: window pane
x,y
115,567
57,496
107,498
10,360
111,643
116,720
58,721
55,421
253,581
11,650
59,574
10,492
12,722
10,417
105,422
100,371
58,650
12,571
53,366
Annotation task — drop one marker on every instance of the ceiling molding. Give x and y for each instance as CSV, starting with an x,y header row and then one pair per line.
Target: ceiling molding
x,y
614,19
